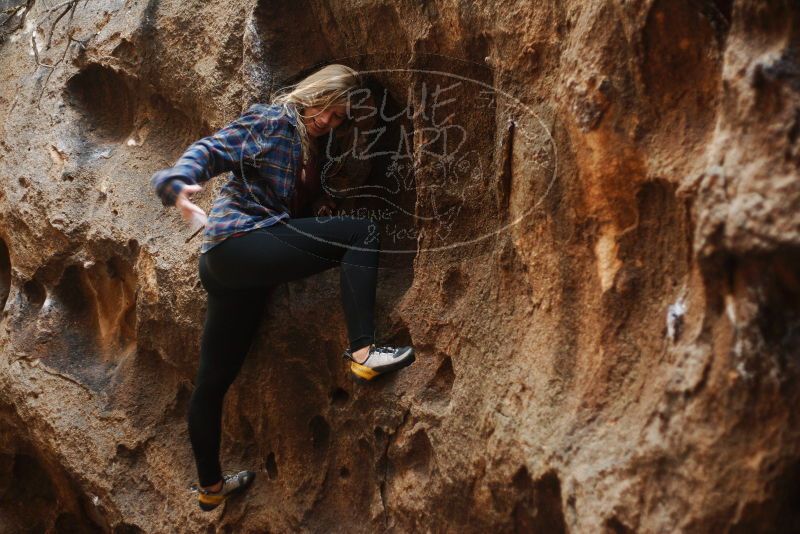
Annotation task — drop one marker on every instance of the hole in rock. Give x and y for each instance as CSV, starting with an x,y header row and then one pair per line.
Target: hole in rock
x,y
522,480
35,293
110,288
171,130
123,451
5,274
776,277
418,454
439,388
105,101
339,397
453,285
94,309
344,472
271,466
547,498
31,480
539,509
320,433
32,499
618,527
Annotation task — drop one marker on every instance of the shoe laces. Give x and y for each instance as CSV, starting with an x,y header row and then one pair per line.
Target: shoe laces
x,y
230,478
348,354
226,479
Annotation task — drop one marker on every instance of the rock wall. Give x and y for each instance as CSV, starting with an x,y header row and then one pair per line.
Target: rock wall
x,y
602,283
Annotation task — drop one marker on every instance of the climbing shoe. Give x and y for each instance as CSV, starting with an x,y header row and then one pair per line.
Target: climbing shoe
x,y
231,484
380,360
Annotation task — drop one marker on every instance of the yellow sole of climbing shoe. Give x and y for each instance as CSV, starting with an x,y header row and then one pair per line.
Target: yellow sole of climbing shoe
x,y
362,371
209,502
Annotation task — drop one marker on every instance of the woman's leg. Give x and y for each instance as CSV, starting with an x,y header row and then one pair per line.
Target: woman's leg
x,y
301,247
232,318
237,273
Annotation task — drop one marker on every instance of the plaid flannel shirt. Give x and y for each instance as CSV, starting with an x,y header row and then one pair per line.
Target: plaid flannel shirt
x,y
261,150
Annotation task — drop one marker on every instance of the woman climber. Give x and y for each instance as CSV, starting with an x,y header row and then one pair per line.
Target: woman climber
x,y
257,235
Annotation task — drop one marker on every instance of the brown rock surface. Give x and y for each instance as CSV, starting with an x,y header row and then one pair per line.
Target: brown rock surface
x,y
651,166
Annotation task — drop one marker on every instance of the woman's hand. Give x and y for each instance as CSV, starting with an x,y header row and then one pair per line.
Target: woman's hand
x,y
190,212
323,208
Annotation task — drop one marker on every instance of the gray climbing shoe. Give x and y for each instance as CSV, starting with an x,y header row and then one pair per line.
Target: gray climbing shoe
x,y
380,360
232,484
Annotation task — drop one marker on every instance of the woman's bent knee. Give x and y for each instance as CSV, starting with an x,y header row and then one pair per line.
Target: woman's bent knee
x,y
365,232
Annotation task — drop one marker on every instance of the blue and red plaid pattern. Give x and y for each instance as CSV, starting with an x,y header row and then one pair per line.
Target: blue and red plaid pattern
x,y
261,150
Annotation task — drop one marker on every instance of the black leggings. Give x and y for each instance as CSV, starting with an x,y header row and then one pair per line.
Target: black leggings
x,y
237,274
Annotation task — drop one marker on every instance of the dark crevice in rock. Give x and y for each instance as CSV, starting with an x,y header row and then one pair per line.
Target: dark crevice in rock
x,y
616,526
339,397
169,130
779,318
540,508
35,293
271,466
320,434
5,276
719,14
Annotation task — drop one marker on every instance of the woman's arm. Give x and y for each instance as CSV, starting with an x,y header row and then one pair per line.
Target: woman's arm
x,y
212,155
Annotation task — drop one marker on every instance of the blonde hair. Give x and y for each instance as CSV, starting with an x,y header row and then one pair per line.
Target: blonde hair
x,y
329,86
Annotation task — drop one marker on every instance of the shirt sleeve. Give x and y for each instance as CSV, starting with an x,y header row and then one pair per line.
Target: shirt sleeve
x,y
223,151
